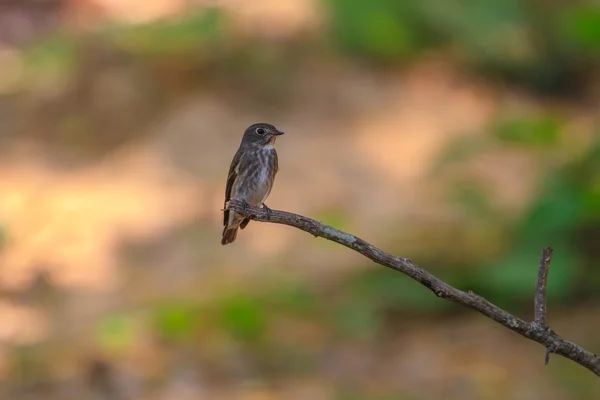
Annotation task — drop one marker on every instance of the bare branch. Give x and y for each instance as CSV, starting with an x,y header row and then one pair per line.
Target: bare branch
x,y
540,292
531,330
540,306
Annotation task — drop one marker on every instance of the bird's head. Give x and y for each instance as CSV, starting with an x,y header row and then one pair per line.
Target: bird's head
x,y
261,134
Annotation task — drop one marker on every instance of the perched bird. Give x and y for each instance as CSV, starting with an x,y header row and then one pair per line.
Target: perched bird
x,y
251,175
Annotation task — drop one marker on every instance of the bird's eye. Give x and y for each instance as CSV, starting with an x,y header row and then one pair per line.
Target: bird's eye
x,y
260,131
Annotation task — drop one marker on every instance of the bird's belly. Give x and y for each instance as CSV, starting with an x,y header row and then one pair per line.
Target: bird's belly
x,y
260,193
254,187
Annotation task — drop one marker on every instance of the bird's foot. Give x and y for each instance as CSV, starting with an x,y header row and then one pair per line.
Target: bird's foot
x,y
226,206
267,210
244,206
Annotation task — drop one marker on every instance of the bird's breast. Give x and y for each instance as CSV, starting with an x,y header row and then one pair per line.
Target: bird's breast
x,y
255,181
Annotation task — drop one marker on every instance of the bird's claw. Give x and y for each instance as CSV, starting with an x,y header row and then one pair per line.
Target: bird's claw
x,y
244,206
267,210
226,206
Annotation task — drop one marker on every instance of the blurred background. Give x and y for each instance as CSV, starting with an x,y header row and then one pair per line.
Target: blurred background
x,y
461,134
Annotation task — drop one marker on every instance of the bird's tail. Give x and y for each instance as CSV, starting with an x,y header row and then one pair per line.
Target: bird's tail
x,y
229,234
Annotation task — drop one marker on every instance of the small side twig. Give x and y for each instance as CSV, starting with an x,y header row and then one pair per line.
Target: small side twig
x,y
536,330
540,291
541,308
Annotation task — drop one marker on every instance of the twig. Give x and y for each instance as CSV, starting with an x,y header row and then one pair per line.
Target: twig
x,y
531,330
540,292
541,308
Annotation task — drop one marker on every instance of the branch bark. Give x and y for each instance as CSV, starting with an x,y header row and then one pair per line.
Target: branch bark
x,y
540,292
536,330
540,309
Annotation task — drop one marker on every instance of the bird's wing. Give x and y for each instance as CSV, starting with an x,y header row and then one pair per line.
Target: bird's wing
x,y
233,173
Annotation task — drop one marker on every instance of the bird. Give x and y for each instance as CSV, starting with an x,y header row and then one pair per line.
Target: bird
x,y
251,176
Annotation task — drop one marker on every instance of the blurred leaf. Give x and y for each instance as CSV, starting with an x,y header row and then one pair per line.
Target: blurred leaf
x,y
52,52
493,31
357,319
582,25
295,297
513,40
513,279
529,131
550,221
592,279
335,217
555,217
589,172
367,294
244,317
554,214
28,364
382,29
262,70
383,288
573,381
178,36
175,322
386,37
50,62
462,149
473,198
116,332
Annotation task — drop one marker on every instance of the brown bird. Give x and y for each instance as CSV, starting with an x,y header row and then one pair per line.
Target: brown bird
x,y
251,176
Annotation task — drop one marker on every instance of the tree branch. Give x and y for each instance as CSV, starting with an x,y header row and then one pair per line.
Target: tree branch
x,y
540,294
536,331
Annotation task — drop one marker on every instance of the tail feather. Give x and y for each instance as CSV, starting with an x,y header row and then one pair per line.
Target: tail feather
x,y
244,223
229,235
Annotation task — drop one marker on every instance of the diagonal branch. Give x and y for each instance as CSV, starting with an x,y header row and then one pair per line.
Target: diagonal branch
x,y
531,330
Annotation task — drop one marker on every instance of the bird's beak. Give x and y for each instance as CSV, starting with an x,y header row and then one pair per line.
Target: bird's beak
x,y
277,133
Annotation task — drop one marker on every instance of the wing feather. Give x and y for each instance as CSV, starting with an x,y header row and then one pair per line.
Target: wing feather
x,y
231,176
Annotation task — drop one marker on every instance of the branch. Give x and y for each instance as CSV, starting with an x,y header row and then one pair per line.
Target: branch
x,y
540,294
536,331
